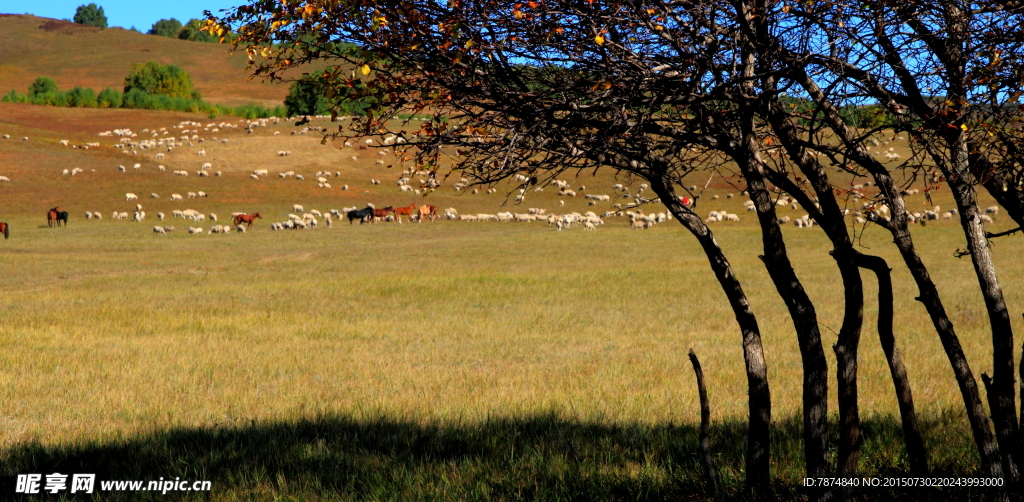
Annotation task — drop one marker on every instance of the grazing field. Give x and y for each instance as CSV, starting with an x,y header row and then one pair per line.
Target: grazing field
x,y
79,55
438,360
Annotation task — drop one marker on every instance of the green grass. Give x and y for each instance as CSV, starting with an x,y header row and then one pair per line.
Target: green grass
x,y
443,361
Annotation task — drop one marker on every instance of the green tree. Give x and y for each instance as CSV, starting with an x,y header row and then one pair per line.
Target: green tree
x,y
191,31
91,15
166,28
307,97
155,78
42,85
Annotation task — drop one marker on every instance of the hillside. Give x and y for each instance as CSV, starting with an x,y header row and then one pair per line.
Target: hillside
x,y
73,54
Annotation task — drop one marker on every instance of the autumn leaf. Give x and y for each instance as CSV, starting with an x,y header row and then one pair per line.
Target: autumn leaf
x,y
366,69
599,39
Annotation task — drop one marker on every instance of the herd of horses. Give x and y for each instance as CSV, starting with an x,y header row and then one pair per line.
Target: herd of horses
x,y
369,214
55,217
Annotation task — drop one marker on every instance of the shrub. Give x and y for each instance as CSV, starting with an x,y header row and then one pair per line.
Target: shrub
x,y
155,78
166,28
109,98
82,97
14,97
91,15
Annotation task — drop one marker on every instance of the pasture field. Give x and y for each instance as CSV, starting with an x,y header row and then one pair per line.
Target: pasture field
x,y
79,55
445,360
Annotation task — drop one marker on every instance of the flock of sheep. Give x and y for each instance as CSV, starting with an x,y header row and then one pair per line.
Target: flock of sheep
x,y
625,202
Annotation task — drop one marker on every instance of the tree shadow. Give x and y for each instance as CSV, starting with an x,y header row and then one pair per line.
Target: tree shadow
x,y
544,457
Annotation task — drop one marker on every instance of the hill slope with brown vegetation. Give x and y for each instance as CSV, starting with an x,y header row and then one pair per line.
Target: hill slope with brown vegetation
x,y
79,55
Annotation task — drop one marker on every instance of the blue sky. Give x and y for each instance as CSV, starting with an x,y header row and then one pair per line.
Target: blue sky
x,y
122,13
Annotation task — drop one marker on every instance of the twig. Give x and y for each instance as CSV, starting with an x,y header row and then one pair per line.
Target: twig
x,y
705,425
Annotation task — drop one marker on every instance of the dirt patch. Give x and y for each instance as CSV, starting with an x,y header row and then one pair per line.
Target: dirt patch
x,y
66,27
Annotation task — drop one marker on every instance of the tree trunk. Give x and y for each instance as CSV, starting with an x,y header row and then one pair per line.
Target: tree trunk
x,y
916,452
830,217
759,404
1001,388
801,310
987,451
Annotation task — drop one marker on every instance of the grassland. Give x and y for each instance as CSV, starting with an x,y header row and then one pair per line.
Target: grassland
x,y
78,55
421,361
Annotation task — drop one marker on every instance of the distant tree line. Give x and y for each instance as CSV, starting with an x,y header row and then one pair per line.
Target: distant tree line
x,y
172,28
150,86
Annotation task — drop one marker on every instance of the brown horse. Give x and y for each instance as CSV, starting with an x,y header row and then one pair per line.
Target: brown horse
x,y
247,218
5,229
408,211
51,216
382,213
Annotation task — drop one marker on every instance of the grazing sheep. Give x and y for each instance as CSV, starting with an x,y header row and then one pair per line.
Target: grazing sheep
x,y
121,169
65,173
175,196
97,215
299,177
202,194
992,210
88,215
160,216
240,228
154,196
253,176
159,230
131,196
987,219
192,195
297,208
4,178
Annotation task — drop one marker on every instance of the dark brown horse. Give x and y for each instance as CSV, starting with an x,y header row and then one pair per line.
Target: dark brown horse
x,y
5,229
382,213
247,218
51,216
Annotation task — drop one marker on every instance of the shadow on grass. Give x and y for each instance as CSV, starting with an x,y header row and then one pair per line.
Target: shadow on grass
x,y
545,457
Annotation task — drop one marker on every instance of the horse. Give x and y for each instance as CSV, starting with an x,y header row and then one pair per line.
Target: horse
x,y
428,211
360,214
5,229
51,216
382,213
247,218
62,216
408,211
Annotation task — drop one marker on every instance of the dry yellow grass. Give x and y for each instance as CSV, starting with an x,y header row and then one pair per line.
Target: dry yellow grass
x,y
109,331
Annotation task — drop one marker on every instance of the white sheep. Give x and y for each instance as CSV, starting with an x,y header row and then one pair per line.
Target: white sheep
x,y
160,216
202,194
297,208
131,196
175,196
154,196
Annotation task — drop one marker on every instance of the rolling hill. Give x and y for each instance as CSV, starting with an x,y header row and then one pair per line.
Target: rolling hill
x,y
74,54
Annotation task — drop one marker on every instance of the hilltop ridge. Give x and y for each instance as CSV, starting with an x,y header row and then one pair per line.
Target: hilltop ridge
x,y
78,55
